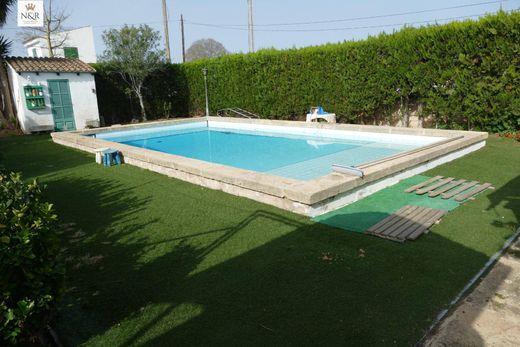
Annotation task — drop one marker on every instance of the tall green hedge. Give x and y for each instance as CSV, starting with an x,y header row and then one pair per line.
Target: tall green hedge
x,y
464,74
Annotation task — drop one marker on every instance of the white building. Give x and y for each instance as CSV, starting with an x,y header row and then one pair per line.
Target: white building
x,y
54,94
77,43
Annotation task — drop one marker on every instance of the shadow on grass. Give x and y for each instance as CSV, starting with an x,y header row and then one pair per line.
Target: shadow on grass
x,y
37,155
286,294
313,285
507,197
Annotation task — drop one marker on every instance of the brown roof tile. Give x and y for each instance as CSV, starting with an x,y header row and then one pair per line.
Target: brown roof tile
x,y
24,64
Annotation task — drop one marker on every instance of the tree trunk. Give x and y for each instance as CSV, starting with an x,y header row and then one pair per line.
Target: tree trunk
x,y
141,103
48,19
49,44
7,111
405,116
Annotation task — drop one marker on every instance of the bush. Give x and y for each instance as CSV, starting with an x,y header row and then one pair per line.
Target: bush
x,y
464,75
31,274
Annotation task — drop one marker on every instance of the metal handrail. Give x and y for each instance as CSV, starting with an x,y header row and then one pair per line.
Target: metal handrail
x,y
237,111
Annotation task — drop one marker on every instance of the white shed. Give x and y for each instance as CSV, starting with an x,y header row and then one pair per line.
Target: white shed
x,y
55,94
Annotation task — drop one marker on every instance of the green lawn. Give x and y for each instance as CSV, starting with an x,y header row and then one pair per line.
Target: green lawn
x,y
156,261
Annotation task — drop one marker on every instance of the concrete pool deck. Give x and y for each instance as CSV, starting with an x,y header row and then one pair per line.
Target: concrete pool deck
x,y
309,198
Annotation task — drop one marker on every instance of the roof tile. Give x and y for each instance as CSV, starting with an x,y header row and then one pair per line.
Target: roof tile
x,y
26,64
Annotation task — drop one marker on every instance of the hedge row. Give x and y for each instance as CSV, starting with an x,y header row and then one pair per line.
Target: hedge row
x,y
463,74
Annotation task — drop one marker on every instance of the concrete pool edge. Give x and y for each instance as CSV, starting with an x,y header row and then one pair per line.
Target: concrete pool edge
x,y
303,197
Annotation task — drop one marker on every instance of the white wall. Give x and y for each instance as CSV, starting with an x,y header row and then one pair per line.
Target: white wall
x,y
82,90
34,49
81,38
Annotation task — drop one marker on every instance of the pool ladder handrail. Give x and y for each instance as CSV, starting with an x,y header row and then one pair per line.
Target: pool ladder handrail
x,y
238,111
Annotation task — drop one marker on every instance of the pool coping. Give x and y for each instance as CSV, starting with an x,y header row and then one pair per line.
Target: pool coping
x,y
310,197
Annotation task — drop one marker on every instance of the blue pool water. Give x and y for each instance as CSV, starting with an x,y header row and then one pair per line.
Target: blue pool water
x,y
287,155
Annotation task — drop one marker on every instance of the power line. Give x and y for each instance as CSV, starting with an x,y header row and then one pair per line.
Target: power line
x,y
238,26
372,17
318,22
343,29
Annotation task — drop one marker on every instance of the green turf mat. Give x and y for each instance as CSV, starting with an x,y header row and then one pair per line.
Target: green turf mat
x,y
362,214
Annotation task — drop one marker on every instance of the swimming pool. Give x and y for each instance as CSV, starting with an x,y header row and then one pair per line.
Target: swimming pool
x,y
282,153
307,168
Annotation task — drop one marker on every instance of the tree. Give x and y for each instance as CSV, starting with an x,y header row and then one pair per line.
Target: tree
x,y
6,105
5,7
5,46
52,30
134,53
205,48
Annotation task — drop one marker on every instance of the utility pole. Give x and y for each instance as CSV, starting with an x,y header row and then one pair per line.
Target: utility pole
x,y
182,36
166,33
250,26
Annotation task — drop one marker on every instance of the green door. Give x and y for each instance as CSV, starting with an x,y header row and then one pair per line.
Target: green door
x,y
61,105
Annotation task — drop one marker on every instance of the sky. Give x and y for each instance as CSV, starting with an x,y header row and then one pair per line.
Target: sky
x,y
321,21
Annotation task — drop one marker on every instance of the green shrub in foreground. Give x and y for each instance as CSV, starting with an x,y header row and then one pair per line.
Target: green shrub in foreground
x,y
30,274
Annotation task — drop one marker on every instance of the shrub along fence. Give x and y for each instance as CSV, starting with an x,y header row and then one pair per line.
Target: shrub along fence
x,y
462,75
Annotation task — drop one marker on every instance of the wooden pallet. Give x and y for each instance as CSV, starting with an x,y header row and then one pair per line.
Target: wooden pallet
x,y
408,223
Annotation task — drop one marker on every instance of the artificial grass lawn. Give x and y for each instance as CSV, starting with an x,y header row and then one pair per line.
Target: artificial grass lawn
x,y
157,261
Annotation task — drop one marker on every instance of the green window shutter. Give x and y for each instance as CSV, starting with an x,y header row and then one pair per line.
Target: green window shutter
x,y
70,52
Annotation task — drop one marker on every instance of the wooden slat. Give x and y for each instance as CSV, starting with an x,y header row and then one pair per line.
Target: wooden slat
x,y
426,225
438,192
458,190
434,186
396,218
422,223
420,185
401,212
474,191
399,231
408,223
391,232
